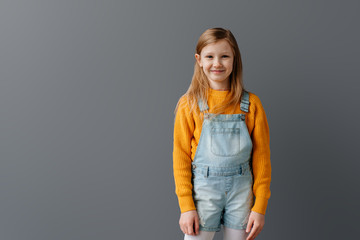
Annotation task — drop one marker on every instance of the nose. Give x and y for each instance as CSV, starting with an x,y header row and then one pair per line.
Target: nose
x,y
217,62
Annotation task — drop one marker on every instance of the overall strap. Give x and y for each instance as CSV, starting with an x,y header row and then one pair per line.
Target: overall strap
x,y
202,105
244,105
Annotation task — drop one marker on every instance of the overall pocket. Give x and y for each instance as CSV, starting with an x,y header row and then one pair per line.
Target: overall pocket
x,y
225,141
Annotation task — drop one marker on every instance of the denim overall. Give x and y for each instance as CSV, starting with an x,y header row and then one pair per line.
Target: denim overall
x,y
221,171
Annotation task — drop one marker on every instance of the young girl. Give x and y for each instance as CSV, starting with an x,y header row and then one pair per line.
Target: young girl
x,y
221,155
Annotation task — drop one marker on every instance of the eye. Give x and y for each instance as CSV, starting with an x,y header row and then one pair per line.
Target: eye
x,y
209,56
225,56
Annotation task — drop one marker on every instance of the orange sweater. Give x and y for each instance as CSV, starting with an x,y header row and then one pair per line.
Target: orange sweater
x,y
187,129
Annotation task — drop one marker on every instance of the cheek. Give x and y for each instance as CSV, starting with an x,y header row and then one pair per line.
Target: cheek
x,y
229,66
206,67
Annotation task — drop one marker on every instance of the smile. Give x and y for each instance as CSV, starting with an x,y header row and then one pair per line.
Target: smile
x,y
217,71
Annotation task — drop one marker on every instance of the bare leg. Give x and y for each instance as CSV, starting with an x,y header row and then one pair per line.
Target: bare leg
x,y
203,235
234,234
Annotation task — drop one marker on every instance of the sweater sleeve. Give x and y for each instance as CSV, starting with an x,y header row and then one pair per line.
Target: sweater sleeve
x,y
261,159
183,133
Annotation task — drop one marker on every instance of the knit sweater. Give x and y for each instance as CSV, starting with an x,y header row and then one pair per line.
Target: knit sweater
x,y
187,130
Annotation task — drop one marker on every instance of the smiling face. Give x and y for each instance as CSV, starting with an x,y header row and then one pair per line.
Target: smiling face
x,y
216,60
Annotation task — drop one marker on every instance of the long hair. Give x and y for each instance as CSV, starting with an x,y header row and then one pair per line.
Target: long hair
x,y
199,86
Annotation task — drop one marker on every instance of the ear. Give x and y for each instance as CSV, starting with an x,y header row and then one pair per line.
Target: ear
x,y
198,59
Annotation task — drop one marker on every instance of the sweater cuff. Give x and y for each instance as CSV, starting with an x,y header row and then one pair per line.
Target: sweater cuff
x,y
186,203
260,205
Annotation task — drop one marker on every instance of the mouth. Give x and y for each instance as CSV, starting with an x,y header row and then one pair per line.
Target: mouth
x,y
217,71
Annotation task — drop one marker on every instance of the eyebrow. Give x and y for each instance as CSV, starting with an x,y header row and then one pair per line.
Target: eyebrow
x,y
220,53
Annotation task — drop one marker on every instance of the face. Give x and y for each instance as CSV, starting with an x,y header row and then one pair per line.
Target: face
x,y
216,60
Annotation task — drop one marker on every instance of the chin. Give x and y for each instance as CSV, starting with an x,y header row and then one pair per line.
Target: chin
x,y
219,80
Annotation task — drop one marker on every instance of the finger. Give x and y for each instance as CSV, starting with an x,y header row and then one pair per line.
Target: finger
x,y
190,230
196,225
249,225
252,233
257,232
183,229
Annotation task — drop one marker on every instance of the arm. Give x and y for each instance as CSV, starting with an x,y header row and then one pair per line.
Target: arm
x,y
261,170
261,159
183,133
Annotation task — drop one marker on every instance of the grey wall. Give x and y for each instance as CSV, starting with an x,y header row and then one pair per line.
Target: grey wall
x,y
87,94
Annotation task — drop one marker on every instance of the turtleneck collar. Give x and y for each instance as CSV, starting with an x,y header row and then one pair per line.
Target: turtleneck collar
x,y
218,93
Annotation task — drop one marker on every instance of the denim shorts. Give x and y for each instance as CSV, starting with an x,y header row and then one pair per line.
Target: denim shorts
x,y
222,195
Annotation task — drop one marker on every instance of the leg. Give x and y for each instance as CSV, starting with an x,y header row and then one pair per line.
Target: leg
x,y
203,235
234,234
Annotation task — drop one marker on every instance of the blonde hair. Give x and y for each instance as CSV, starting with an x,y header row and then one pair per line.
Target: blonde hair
x,y
199,87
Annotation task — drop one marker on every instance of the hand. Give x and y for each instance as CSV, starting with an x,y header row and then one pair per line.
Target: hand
x,y
186,222
256,223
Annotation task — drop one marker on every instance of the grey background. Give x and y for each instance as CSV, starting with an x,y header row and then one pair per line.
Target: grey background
x,y
87,94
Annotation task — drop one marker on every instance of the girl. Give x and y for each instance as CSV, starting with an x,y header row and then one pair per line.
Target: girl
x,y
221,155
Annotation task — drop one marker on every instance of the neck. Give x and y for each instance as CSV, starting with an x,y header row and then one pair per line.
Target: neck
x,y
221,89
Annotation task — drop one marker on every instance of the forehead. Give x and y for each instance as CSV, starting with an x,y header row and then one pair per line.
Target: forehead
x,y
221,46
